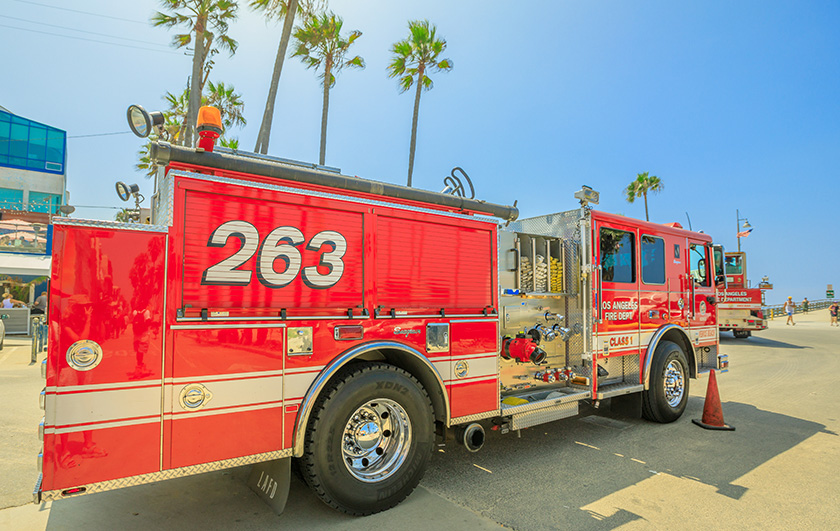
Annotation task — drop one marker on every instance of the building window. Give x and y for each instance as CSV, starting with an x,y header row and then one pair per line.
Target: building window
x,y
11,199
31,146
41,202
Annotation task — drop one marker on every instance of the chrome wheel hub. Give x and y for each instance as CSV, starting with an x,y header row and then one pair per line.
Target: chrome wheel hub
x,y
376,440
674,383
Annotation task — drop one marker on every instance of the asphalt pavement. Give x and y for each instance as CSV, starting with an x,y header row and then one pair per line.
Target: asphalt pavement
x,y
599,470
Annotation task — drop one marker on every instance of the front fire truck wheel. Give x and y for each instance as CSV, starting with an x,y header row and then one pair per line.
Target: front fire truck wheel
x,y
667,396
369,439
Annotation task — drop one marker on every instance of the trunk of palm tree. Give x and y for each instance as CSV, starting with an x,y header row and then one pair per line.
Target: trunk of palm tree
x,y
414,123
647,218
195,80
268,115
327,74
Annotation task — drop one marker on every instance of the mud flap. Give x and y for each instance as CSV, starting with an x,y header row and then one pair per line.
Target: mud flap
x,y
270,480
629,405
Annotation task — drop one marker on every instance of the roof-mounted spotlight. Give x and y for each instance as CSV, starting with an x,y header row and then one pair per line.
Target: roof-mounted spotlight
x,y
587,195
125,191
141,122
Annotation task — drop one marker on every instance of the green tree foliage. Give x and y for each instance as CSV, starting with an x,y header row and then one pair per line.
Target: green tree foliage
x,y
207,22
224,97
319,43
412,60
640,187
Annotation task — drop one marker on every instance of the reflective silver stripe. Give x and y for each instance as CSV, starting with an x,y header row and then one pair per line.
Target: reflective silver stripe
x,y
183,415
65,389
233,393
298,383
102,425
472,380
474,356
104,406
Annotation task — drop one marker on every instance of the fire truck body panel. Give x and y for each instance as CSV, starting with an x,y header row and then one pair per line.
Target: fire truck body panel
x,y
740,311
245,349
223,335
740,305
617,306
103,418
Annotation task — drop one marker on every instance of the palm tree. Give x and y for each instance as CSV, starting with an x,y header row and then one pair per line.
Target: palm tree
x,y
219,95
412,59
319,42
286,10
203,18
640,187
228,102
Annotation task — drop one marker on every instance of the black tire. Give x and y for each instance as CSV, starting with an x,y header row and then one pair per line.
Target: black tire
x,y
358,458
667,396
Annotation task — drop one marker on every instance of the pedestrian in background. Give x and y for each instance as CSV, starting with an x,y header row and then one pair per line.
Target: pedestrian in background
x,y
790,307
805,305
40,305
9,302
832,311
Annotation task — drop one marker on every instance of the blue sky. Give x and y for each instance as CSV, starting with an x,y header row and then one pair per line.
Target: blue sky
x,y
734,105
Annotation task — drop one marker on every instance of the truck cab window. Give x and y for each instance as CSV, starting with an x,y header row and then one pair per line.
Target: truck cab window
x,y
733,265
618,256
699,265
653,260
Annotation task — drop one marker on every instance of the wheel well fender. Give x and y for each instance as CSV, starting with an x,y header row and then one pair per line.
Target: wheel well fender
x,y
397,354
675,334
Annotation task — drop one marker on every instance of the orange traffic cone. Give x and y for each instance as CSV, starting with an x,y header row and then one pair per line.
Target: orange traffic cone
x,y
712,412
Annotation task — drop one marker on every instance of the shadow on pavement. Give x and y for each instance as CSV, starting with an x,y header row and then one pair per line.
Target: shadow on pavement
x,y
559,468
543,479
222,500
756,341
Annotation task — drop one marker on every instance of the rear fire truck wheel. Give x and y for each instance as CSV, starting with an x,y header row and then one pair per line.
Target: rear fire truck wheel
x,y
667,396
369,439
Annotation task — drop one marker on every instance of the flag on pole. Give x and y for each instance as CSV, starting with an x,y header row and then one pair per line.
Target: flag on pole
x,y
745,233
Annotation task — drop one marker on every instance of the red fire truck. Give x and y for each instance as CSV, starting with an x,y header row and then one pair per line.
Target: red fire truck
x,y
739,309
275,310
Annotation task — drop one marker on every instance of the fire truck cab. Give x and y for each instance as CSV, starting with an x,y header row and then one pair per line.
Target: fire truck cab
x,y
277,310
740,304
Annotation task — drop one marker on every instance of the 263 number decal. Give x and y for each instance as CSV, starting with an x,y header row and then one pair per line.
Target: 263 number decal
x,y
281,244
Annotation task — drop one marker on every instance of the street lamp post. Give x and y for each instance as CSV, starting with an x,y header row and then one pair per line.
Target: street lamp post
x,y
738,227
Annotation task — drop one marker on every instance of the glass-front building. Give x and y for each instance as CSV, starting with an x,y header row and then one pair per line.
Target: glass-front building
x,y
33,169
32,147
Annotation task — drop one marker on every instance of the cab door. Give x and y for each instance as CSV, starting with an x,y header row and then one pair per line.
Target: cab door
x,y
701,293
617,330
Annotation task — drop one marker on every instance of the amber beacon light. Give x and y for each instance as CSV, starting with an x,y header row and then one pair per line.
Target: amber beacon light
x,y
209,127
